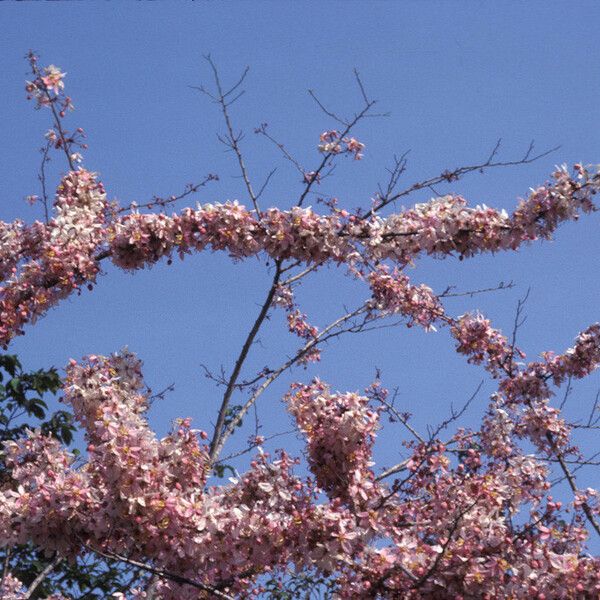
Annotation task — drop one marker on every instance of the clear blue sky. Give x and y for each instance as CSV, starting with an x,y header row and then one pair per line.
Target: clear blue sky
x,y
455,76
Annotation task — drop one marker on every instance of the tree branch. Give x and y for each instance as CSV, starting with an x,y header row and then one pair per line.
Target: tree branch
x,y
40,578
215,444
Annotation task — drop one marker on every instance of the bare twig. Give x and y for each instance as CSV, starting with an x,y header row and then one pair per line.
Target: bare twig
x,y
254,445
262,130
566,394
190,188
448,293
5,566
454,414
395,173
41,576
232,139
302,274
164,574
397,468
518,322
162,394
571,481
591,422
266,183
42,178
389,407
449,176
328,112
348,126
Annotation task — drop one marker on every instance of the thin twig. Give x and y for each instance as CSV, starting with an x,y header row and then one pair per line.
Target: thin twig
x,y
455,415
348,126
397,468
5,567
262,130
302,274
447,293
42,179
232,138
518,322
591,422
571,481
323,335
251,447
400,417
449,176
41,576
191,188
163,574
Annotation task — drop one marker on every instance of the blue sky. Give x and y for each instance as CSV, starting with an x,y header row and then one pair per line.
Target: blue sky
x,y
455,77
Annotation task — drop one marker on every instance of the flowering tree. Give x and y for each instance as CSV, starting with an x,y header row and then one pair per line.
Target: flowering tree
x,y
468,514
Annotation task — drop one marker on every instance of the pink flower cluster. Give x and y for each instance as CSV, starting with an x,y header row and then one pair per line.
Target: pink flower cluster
x,y
578,361
539,420
47,86
48,493
298,325
443,226
482,343
450,534
531,382
468,518
12,589
148,498
393,293
340,433
45,263
333,143
527,384
447,225
64,250
297,322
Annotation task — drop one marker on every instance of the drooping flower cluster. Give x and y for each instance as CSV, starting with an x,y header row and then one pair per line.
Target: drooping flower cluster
x,y
298,325
393,293
340,432
482,343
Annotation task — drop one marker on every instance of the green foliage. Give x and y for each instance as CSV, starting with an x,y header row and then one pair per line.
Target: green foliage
x,y
21,399
230,415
